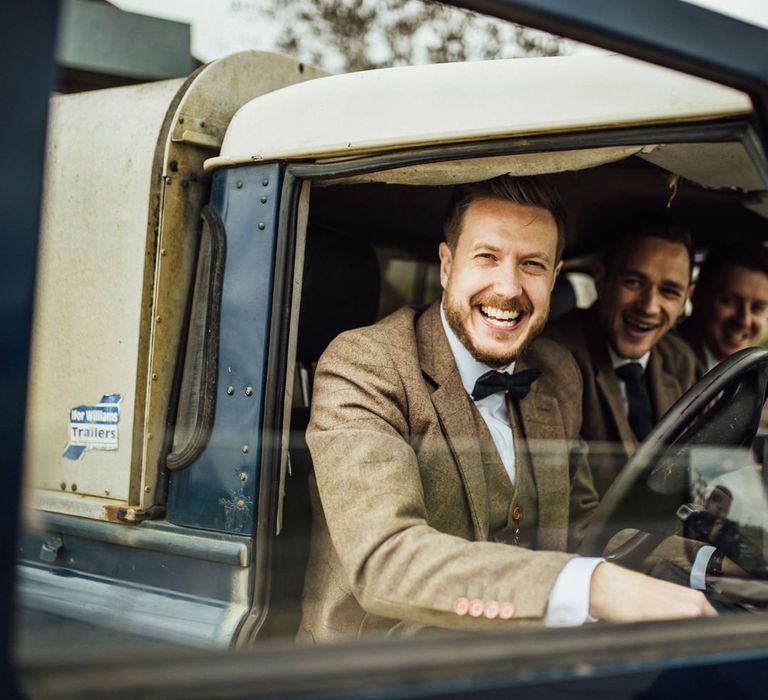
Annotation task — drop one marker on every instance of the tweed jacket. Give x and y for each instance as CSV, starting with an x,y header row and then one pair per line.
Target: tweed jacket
x,y
688,333
400,535
670,371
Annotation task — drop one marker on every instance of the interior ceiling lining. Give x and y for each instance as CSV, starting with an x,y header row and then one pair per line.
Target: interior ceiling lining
x,y
455,172
712,165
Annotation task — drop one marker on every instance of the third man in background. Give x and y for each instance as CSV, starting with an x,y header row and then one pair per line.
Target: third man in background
x,y
730,304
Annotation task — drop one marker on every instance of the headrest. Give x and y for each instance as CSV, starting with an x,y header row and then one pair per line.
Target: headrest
x,y
340,290
563,297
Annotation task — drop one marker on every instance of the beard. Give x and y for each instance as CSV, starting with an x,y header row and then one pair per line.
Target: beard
x,y
456,316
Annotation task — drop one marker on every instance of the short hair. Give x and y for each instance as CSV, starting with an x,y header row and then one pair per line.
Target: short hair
x,y
531,191
747,252
630,231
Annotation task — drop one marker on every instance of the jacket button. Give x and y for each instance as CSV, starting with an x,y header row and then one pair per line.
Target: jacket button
x,y
476,607
491,609
517,513
461,606
506,611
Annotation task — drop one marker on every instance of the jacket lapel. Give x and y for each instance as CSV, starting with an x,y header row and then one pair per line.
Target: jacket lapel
x,y
454,409
607,383
543,436
663,386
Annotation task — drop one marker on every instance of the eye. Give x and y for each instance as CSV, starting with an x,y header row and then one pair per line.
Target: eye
x,y
632,283
759,309
534,265
485,256
671,292
727,300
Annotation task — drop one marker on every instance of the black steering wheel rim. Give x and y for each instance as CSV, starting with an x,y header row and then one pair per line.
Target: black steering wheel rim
x,y
735,386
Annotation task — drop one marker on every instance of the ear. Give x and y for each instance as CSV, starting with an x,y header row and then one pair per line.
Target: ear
x,y
599,273
446,262
558,268
691,290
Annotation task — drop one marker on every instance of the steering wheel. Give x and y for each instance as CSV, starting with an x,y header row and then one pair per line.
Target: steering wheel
x,y
723,409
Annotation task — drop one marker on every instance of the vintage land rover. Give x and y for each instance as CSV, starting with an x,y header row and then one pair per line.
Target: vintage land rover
x,y
203,240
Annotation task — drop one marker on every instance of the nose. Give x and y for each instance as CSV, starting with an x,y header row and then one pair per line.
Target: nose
x,y
648,301
506,281
743,315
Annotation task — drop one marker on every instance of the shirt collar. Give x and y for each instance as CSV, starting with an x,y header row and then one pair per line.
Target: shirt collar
x,y
709,357
470,370
617,361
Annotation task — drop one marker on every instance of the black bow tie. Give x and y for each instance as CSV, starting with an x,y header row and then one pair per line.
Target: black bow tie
x,y
518,384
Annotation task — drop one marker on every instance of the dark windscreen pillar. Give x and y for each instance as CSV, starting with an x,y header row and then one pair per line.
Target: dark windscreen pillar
x,y
217,489
28,32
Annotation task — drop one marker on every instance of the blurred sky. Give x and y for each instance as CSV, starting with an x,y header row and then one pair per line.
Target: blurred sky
x,y
220,27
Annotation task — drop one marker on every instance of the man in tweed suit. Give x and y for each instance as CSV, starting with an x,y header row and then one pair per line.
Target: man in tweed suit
x,y
643,284
434,509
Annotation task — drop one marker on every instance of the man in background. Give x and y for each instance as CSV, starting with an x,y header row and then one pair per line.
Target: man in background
x,y
730,303
633,370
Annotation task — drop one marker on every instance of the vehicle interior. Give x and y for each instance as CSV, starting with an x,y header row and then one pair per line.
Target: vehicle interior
x,y
371,247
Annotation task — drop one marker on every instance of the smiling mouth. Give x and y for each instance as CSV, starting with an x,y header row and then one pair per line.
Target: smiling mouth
x,y
500,318
637,327
736,338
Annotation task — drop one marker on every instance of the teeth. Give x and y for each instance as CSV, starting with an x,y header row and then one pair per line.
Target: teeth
x,y
500,314
640,325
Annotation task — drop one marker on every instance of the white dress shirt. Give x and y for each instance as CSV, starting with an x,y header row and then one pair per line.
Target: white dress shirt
x,y
568,603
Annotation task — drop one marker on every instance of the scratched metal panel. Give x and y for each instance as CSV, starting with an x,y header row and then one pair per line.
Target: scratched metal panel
x,y
90,327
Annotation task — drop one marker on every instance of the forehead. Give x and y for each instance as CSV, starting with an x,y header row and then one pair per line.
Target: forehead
x,y
656,258
498,222
743,281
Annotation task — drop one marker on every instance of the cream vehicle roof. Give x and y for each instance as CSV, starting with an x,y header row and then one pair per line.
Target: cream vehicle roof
x,y
359,113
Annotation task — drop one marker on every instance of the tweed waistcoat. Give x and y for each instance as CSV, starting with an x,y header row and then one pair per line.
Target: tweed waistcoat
x,y
505,500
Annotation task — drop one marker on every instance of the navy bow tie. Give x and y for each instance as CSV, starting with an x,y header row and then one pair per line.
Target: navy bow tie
x,y
518,384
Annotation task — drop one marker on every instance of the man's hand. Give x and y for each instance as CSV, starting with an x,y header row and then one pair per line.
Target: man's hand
x,y
621,595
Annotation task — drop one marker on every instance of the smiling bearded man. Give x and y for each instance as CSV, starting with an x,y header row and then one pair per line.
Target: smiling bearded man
x,y
633,370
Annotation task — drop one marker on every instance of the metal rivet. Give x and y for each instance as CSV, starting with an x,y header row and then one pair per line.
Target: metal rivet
x,y
262,226
202,123
163,251
245,449
263,199
167,181
240,504
243,477
265,181
63,486
74,487
249,391
154,376
239,184
106,492
158,319
147,489
181,120
230,390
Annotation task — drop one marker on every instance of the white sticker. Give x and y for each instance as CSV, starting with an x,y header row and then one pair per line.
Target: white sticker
x,y
94,427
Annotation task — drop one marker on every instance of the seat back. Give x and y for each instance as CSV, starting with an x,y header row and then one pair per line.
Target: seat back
x,y
340,291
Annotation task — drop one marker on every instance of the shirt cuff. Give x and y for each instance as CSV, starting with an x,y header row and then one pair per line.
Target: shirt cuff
x,y
698,579
569,598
